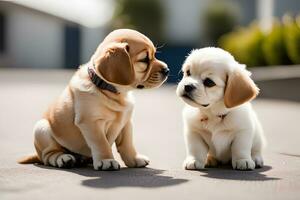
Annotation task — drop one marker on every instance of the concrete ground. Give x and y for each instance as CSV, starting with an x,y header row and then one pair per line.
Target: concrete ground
x,y
24,95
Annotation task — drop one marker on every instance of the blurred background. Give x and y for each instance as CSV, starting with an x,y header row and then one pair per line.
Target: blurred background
x,y
63,34
42,42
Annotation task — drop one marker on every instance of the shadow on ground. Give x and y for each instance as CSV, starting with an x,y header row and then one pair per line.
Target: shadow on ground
x,y
227,173
126,177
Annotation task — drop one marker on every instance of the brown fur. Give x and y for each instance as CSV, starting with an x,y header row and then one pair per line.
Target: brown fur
x,y
87,120
120,69
239,89
29,160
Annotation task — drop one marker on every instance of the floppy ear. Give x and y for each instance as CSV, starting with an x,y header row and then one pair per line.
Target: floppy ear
x,y
239,89
114,64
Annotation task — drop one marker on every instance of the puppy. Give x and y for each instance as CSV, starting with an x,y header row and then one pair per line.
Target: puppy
x,y
94,111
219,123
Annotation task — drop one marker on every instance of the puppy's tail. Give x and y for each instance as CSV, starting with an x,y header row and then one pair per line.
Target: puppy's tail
x,y
29,160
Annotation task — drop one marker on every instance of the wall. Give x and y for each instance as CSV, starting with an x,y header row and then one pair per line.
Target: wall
x,y
90,39
283,6
183,20
33,39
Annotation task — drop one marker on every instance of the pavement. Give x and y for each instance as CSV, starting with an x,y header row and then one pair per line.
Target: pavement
x,y
25,94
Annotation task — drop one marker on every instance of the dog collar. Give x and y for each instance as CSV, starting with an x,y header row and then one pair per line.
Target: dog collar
x,y
205,118
99,82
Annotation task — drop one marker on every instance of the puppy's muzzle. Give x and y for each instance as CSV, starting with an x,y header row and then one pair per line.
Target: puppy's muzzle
x,y
165,71
187,91
189,88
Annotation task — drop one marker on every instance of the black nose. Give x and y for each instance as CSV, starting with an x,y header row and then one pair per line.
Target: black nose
x,y
165,71
189,88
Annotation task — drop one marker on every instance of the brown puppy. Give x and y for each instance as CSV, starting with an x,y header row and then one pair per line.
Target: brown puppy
x,y
95,109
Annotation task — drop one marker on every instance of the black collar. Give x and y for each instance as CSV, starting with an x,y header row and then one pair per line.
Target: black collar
x,y
99,82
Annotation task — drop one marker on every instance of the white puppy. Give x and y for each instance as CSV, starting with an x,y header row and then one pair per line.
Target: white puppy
x,y
219,122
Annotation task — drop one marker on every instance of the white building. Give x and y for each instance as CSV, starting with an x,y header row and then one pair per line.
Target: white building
x,y
48,33
64,33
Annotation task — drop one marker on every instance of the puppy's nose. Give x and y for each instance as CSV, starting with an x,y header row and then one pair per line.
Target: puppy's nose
x,y
165,71
189,88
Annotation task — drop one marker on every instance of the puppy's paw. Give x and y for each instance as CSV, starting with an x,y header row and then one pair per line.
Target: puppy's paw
x,y
193,164
107,165
138,161
258,160
243,164
65,161
211,162
141,161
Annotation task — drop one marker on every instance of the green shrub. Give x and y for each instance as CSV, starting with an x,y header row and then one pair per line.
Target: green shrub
x,y
273,47
292,37
279,46
219,17
245,44
145,16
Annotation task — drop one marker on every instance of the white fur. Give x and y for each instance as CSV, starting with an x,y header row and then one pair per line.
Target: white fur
x,y
106,164
239,136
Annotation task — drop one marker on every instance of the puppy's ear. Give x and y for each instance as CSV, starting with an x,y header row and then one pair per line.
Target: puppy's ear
x,y
114,64
240,88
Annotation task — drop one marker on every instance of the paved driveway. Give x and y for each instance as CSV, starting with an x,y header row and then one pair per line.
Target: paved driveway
x,y
158,133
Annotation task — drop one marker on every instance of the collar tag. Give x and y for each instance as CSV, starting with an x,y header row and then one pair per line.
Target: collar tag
x,y
222,116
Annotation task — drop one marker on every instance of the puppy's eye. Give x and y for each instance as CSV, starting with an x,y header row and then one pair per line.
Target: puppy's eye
x,y
188,72
209,83
145,60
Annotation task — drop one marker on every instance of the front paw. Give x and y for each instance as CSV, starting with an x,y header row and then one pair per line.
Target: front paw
x,y
139,161
259,162
211,162
243,164
193,164
106,165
